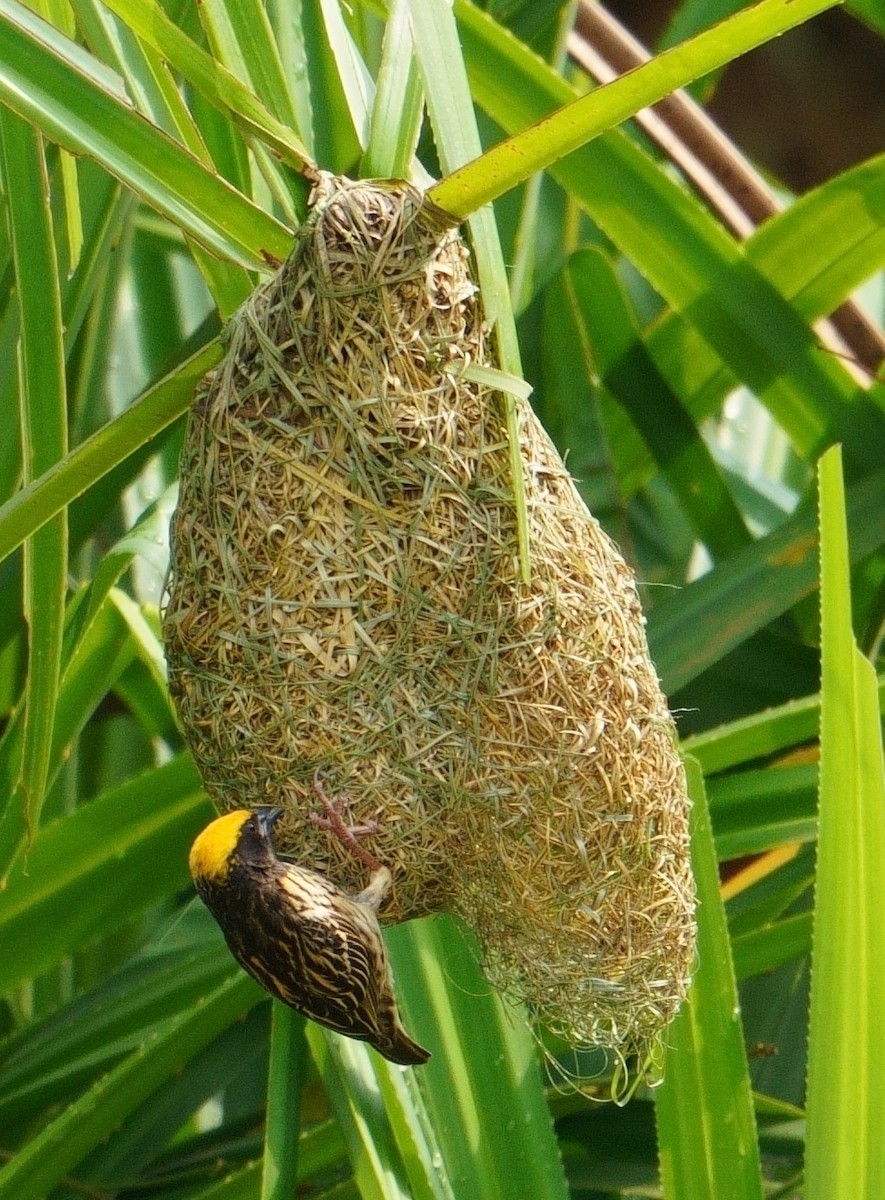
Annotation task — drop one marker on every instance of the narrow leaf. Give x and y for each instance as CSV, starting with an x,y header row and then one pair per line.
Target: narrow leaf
x,y
212,79
88,873
347,1070
288,1059
690,631
706,1126
43,422
146,417
627,370
483,1082
449,103
845,1152
557,135
52,83
709,280
48,1156
398,106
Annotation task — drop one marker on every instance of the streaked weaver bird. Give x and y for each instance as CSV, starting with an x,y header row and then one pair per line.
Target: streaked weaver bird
x,y
305,940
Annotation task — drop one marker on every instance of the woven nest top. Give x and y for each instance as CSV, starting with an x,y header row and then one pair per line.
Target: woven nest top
x,y
345,597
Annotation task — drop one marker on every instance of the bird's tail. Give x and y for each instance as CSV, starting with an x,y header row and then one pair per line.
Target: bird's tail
x,y
402,1050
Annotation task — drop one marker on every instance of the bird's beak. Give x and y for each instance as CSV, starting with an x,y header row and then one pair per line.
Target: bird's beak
x,y
267,818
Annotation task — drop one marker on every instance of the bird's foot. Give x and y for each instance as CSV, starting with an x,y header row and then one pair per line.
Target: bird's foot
x,y
348,835
375,892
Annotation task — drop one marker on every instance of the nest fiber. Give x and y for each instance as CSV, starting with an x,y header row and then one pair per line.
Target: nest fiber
x,y
345,599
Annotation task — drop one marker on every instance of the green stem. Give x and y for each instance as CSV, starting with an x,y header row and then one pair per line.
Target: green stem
x,y
466,189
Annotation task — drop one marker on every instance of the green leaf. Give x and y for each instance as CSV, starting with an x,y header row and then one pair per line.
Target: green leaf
x,y
769,948
690,631
618,354
815,272
553,138
230,1061
212,79
869,11
754,811
759,735
445,1129
484,1073
148,77
829,241
163,403
441,64
50,1155
703,273
845,1153
242,39
52,83
354,79
569,400
52,1060
323,94
398,107
100,644
288,1060
762,734
89,872
706,1126
43,423
348,1069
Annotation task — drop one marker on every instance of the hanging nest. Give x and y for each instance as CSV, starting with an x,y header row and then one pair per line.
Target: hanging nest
x,y
345,598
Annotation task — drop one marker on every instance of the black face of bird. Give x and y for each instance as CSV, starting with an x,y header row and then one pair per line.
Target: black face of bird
x,y
267,818
255,838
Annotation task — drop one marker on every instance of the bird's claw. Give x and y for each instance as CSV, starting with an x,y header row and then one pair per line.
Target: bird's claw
x,y
348,835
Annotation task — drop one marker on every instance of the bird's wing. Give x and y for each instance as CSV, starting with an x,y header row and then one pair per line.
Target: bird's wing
x,y
331,964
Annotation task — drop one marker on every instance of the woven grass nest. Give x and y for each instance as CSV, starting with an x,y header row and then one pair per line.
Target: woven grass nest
x,y
345,597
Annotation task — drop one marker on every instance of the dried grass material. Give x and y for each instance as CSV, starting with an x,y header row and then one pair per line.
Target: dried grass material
x,y
344,596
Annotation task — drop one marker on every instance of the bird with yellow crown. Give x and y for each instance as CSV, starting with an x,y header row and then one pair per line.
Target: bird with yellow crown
x,y
303,938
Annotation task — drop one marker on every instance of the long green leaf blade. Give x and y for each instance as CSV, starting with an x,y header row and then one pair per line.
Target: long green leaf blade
x,y
51,82
220,87
484,1073
442,67
43,421
845,1151
91,871
52,1061
556,136
690,631
241,35
44,1161
398,107
286,1065
625,367
348,1073
162,403
707,278
706,1126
